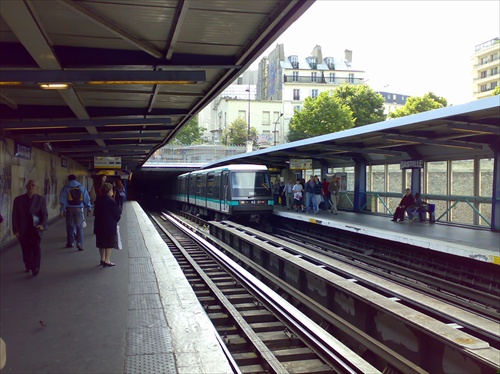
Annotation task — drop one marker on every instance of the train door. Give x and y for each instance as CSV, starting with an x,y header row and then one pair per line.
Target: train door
x,y
225,191
217,191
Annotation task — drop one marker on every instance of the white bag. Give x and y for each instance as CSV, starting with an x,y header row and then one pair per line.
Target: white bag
x,y
118,238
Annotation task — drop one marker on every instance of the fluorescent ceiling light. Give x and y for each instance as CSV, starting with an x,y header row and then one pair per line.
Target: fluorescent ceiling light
x,y
54,86
141,82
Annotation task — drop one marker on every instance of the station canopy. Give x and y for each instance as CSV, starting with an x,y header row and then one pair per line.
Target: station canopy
x,y
119,78
458,132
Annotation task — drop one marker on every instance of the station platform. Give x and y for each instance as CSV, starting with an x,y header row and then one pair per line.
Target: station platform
x,y
140,316
474,244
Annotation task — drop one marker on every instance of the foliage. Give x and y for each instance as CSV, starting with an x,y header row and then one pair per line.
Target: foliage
x,y
496,91
366,105
321,115
237,133
417,104
191,133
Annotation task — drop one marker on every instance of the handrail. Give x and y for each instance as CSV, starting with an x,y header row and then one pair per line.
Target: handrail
x,y
471,201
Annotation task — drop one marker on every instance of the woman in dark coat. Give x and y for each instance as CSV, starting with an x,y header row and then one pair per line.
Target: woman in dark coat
x,y
107,215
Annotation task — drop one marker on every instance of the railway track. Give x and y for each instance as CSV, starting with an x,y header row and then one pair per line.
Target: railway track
x,y
261,332
480,283
323,287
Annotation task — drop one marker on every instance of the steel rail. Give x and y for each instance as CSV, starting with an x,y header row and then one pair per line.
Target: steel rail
x,y
331,349
432,328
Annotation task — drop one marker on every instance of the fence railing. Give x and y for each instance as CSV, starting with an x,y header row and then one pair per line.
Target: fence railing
x,y
448,202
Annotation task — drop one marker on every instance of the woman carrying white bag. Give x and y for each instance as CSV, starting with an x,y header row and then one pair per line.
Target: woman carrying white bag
x,y
107,214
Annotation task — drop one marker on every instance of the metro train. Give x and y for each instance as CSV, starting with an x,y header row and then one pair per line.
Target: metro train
x,y
231,191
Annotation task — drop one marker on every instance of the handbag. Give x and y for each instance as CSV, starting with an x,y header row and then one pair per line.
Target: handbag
x,y
118,238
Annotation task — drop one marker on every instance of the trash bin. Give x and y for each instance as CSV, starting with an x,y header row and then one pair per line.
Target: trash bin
x,y
432,210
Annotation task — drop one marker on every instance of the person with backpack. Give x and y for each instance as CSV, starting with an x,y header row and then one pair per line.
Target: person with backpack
x,y
73,199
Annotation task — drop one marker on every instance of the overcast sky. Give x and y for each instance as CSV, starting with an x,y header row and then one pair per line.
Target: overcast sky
x,y
405,47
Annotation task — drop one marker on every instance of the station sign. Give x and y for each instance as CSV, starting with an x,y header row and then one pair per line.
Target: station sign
x,y
107,162
301,163
22,151
412,164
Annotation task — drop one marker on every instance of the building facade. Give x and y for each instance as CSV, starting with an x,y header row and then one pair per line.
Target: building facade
x,y
291,79
279,87
393,101
486,68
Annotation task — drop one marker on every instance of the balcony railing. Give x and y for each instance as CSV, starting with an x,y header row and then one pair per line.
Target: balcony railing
x,y
321,80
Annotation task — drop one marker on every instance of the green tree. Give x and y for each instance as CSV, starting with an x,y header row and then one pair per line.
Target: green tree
x,y
366,105
321,115
417,104
496,91
237,133
190,133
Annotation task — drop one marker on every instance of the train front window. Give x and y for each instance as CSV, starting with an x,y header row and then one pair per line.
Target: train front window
x,y
250,184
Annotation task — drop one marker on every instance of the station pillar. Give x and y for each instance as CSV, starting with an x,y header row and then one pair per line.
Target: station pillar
x,y
495,198
359,185
416,180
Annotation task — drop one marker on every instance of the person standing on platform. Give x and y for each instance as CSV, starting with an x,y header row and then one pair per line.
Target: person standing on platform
x,y
318,191
73,199
407,201
276,191
298,202
288,194
326,194
310,195
334,188
119,194
29,220
107,214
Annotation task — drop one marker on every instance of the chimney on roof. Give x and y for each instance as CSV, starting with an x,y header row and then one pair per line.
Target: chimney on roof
x,y
348,55
317,53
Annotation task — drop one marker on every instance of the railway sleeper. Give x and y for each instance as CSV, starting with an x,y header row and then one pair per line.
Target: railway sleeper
x,y
246,358
219,318
278,339
261,315
313,366
294,354
247,306
267,326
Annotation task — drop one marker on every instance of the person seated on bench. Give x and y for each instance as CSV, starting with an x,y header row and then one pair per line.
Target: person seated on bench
x,y
406,201
420,207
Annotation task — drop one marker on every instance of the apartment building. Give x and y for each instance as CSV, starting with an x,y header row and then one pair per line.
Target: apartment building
x,y
486,68
291,79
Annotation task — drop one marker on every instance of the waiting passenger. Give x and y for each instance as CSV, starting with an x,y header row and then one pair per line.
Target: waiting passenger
x,y
107,215
288,194
276,191
119,194
334,189
318,191
310,195
298,196
407,201
326,195
420,207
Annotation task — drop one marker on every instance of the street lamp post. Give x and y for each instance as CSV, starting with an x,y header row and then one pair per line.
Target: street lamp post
x,y
275,123
248,129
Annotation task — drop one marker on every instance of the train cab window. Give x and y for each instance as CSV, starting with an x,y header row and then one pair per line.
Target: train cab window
x,y
249,184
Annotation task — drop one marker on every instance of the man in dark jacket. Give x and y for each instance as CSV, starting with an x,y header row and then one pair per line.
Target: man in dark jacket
x,y
29,220
407,201
73,199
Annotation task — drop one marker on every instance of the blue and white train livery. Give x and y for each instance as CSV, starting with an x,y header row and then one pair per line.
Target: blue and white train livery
x,y
226,191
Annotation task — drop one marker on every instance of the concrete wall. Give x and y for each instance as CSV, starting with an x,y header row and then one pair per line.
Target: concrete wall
x,y
45,168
